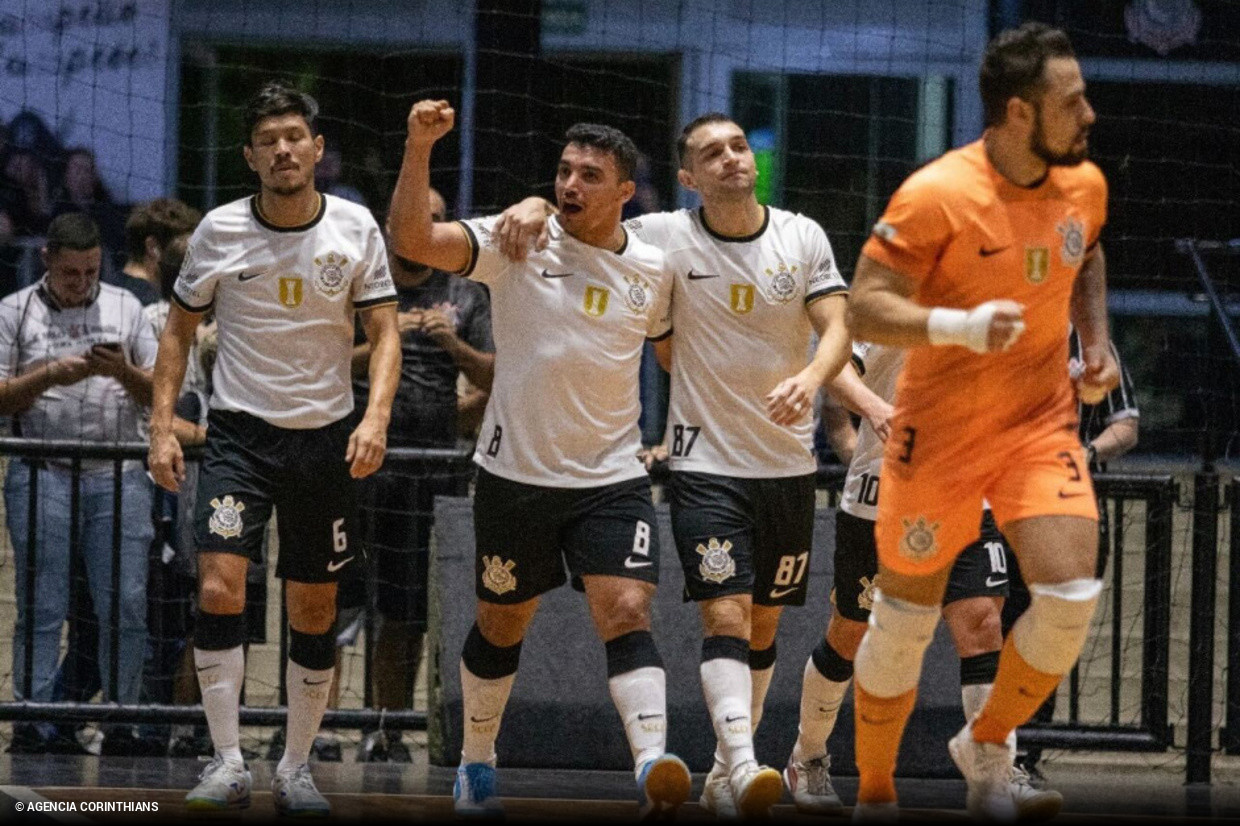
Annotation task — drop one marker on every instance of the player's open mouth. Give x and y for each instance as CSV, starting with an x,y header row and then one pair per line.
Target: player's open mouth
x,y
571,209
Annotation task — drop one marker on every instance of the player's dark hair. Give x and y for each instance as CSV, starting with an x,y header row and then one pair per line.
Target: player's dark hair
x,y
163,219
609,139
277,98
682,143
75,231
1014,63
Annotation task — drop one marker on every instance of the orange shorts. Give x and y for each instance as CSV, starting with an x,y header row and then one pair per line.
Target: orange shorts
x,y
929,506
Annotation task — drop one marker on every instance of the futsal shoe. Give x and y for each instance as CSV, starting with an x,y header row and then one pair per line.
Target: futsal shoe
x,y
1033,804
475,793
987,768
717,793
295,795
223,784
662,786
756,789
809,781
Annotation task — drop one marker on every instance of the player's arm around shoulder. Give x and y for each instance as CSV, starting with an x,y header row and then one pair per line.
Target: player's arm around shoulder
x,y
415,235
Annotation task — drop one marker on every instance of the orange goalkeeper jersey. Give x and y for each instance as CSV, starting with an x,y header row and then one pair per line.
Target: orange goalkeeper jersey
x,y
965,234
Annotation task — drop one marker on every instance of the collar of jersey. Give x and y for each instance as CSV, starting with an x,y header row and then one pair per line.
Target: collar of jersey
x,y
48,298
736,239
558,233
262,219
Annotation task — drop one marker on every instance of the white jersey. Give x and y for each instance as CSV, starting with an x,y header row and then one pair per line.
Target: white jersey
x,y
741,328
880,367
569,325
284,301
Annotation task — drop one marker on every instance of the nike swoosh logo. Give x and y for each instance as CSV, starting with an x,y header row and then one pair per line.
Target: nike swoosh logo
x,y
648,716
208,667
320,682
332,567
629,562
250,276
776,593
1063,495
698,276
483,720
546,274
734,719
985,253
991,582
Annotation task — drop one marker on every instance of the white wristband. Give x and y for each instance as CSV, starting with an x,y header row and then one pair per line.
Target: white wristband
x,y
968,328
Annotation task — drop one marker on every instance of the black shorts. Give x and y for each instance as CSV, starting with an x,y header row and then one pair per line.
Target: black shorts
x,y
526,535
743,536
979,571
249,466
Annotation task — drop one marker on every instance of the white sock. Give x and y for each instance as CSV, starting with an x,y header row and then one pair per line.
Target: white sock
x,y
729,695
760,683
820,706
973,698
640,696
484,702
307,700
220,676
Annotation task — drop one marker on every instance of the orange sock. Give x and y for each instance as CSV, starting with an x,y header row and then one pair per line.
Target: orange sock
x,y
1020,689
880,725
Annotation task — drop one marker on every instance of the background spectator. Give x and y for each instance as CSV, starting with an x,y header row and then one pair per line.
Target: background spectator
x,y
75,359
80,189
150,228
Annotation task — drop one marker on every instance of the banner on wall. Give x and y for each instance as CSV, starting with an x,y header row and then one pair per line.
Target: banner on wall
x,y
94,72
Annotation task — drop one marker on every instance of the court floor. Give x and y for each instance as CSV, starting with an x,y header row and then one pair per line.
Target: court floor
x,y
1114,789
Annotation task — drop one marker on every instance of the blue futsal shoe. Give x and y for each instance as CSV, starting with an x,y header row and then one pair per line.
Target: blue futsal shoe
x,y
475,792
662,785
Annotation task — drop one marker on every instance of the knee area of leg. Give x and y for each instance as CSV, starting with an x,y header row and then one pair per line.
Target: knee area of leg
x,y
903,623
489,661
1049,636
316,652
217,595
726,617
628,611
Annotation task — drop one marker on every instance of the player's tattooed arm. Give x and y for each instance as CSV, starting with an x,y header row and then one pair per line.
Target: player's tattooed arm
x,y
881,309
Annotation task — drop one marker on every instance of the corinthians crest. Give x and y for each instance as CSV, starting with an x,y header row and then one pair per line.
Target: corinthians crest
x,y
226,520
329,280
919,541
636,294
717,563
1073,233
783,285
497,575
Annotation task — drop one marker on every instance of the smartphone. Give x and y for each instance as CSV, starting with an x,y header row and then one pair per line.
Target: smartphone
x,y
106,346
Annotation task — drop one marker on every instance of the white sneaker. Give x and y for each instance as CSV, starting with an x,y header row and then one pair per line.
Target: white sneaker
x,y
876,812
1033,804
987,768
295,795
810,784
717,793
223,784
755,789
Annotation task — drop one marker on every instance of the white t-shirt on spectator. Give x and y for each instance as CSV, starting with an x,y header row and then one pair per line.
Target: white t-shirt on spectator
x,y
35,329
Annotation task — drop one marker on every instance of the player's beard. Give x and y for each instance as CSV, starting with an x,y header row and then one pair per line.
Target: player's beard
x,y
288,190
1037,145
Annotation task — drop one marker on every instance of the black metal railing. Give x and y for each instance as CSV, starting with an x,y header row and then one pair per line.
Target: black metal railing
x,y
1151,732
71,455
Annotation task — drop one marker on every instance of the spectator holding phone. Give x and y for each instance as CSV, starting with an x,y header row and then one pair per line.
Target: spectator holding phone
x,y
75,363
